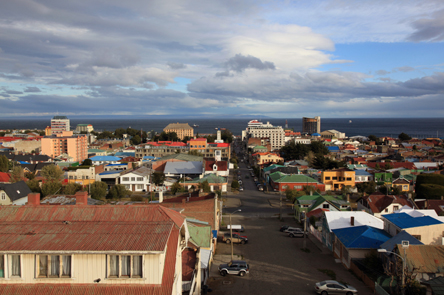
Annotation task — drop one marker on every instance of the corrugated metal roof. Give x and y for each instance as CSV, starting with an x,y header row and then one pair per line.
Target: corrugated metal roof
x,y
403,220
362,237
194,167
424,258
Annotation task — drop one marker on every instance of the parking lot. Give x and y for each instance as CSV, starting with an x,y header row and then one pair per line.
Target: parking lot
x,y
278,264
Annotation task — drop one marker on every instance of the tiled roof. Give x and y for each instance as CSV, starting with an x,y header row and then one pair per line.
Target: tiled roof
x,y
403,220
362,237
4,177
221,165
378,202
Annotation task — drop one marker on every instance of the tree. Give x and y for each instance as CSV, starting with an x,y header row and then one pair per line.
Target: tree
x,y
226,136
17,174
117,192
396,190
235,184
195,153
388,166
34,185
4,164
119,132
308,189
51,187
52,172
404,137
205,186
87,162
366,187
29,175
135,140
175,187
429,186
98,190
158,178
71,188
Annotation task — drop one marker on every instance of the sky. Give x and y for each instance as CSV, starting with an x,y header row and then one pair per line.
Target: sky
x,y
279,59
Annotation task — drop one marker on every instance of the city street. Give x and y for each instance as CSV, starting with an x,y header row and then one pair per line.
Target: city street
x,y
278,264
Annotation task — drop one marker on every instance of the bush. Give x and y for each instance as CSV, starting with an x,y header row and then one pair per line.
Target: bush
x,y
235,184
430,191
137,198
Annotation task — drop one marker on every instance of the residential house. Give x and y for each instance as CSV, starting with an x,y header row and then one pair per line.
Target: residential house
x,y
218,167
378,203
305,204
81,175
391,244
336,179
4,177
14,193
332,220
383,178
85,249
426,229
281,182
99,160
265,159
136,180
357,242
216,182
362,176
402,184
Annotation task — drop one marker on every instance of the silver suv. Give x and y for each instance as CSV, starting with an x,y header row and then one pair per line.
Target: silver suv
x,y
234,267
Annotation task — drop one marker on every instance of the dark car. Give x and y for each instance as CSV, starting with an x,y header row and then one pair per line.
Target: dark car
x,y
234,267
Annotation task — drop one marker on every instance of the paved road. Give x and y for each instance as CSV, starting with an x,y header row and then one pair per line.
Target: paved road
x,y
278,263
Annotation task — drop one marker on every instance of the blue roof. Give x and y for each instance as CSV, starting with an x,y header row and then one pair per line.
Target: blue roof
x,y
110,172
125,154
105,158
315,134
333,148
23,162
403,220
362,237
402,236
362,172
122,164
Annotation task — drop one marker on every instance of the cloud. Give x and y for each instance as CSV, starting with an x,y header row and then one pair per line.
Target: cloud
x,y
404,69
176,66
382,73
239,63
32,89
429,29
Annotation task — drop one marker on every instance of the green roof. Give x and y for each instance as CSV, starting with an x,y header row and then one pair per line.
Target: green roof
x,y
211,178
200,235
95,151
271,167
289,178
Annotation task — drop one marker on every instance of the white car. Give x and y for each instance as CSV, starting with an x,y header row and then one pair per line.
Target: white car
x,y
293,229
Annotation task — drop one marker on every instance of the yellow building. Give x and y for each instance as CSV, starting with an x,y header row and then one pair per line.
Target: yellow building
x,y
267,158
336,179
181,129
402,183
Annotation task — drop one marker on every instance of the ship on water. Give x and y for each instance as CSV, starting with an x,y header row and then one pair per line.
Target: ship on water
x,y
195,125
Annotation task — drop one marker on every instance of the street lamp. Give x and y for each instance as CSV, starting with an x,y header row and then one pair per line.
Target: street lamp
x,y
403,263
231,232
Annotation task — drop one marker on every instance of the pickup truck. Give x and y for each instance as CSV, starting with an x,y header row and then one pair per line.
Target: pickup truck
x,y
238,239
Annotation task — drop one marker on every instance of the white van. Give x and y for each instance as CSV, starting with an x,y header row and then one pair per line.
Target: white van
x,y
236,227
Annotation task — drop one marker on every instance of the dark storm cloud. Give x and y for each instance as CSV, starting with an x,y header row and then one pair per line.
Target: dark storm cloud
x,y
239,63
429,29
32,89
176,66
13,92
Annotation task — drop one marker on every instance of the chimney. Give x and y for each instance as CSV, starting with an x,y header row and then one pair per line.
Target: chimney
x,y
81,198
348,198
352,221
184,201
34,199
311,193
160,196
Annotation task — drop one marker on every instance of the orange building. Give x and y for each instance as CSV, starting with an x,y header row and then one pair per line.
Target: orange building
x,y
336,179
198,144
75,146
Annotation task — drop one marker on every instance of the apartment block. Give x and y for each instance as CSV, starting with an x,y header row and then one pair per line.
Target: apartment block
x,y
59,124
181,129
275,134
311,125
75,146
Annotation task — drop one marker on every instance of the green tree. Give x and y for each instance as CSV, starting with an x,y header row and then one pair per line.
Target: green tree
x,y
158,178
34,185
308,189
429,186
135,140
366,187
195,153
388,166
17,174
175,187
227,136
98,190
205,186
4,164
29,175
396,190
71,188
51,187
404,137
87,162
119,132
117,192
235,184
52,172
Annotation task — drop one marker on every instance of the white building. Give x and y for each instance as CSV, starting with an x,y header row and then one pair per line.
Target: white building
x,y
275,134
59,124
136,180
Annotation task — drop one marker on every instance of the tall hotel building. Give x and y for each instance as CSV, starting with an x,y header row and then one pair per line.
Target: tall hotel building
x,y
75,146
311,125
275,134
59,124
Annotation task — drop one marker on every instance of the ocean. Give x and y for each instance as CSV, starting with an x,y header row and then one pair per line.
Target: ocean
x,y
416,127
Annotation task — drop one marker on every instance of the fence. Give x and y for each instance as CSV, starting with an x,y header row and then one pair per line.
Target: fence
x,y
360,274
315,233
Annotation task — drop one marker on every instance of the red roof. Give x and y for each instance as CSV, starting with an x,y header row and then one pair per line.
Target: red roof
x,y
378,202
4,177
188,264
406,165
221,165
198,139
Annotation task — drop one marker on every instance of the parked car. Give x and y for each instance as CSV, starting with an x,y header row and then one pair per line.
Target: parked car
x,y
293,229
241,188
284,227
240,181
234,267
334,287
260,187
255,179
296,234
236,228
237,238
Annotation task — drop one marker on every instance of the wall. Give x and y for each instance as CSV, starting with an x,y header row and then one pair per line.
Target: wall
x,y
27,146
430,235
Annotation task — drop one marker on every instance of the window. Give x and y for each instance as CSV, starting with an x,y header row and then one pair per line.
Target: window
x,y
139,186
349,179
54,266
15,266
418,237
335,178
325,206
395,208
125,266
2,266
125,178
133,179
3,196
139,178
327,177
127,186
